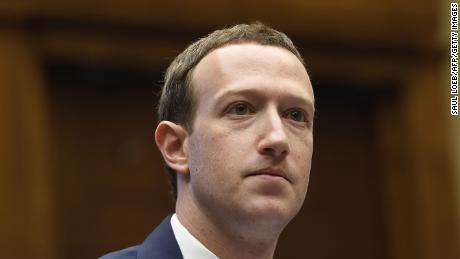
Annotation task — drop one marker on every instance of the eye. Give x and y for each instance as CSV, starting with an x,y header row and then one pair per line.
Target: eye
x,y
240,109
296,115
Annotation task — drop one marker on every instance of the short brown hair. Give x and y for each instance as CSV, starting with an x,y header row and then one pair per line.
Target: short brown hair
x,y
177,103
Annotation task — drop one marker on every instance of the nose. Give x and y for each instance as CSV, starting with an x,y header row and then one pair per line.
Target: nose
x,y
273,140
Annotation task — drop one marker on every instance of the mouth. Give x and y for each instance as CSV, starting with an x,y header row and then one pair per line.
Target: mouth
x,y
271,172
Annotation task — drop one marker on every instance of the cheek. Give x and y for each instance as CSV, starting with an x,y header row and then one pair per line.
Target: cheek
x,y
302,164
214,153
215,162
222,142
303,156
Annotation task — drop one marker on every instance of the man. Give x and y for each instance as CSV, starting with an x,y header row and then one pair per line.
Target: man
x,y
236,133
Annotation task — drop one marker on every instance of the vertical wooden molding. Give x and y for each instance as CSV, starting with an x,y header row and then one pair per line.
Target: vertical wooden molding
x,y
454,133
25,178
399,193
453,121
418,169
426,115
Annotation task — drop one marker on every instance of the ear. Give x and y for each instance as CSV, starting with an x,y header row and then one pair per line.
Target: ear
x,y
171,141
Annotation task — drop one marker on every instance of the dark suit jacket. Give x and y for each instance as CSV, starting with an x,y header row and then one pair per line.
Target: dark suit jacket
x,y
160,244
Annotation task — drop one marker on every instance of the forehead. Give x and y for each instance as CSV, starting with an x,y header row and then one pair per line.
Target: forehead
x,y
249,65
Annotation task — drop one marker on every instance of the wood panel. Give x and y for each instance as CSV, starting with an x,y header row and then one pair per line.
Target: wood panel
x,y
26,186
390,23
112,186
417,162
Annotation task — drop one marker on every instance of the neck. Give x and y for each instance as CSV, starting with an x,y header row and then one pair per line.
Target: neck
x,y
228,237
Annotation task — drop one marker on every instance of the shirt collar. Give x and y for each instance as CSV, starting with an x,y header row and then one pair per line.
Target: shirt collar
x,y
190,247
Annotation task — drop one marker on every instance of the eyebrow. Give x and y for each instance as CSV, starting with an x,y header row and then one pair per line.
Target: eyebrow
x,y
259,93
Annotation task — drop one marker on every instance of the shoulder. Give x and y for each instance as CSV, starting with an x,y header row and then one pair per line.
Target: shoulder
x,y
127,253
161,244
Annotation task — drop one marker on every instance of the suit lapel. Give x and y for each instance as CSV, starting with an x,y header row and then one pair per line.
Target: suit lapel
x,y
161,243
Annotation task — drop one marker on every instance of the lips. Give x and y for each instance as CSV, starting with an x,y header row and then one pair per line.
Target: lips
x,y
271,172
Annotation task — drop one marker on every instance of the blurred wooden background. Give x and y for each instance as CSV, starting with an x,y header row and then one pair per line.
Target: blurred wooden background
x,y
79,171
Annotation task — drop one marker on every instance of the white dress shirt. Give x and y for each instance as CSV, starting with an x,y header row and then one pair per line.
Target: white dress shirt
x,y
190,247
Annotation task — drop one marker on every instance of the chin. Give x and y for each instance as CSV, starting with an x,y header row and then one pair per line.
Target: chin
x,y
272,211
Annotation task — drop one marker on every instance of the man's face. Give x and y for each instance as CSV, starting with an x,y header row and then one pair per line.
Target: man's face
x,y
252,142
